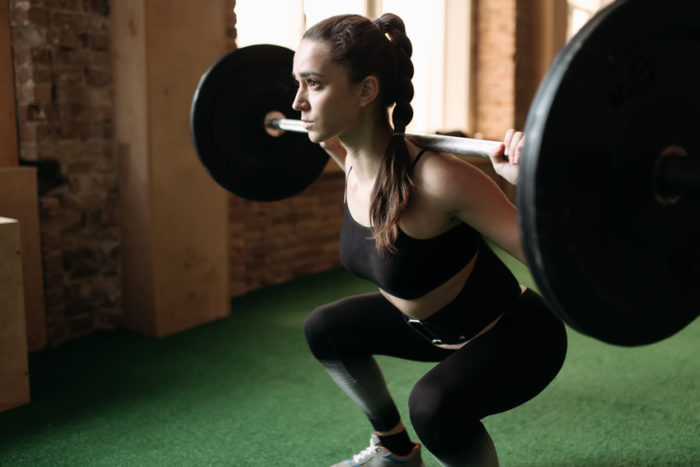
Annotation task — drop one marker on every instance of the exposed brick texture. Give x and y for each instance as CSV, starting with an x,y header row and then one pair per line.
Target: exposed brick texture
x,y
63,83
278,241
494,64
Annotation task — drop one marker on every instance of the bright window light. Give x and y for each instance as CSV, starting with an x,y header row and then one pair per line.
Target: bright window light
x,y
440,101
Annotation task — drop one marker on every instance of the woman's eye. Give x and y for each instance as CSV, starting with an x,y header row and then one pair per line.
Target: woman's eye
x,y
313,83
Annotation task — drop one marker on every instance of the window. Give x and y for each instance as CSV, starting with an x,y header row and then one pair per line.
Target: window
x,y
441,78
580,11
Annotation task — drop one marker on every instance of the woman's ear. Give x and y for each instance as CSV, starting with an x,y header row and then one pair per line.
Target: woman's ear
x,y
367,90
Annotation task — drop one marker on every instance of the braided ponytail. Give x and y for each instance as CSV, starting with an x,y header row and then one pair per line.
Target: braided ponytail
x,y
382,49
394,185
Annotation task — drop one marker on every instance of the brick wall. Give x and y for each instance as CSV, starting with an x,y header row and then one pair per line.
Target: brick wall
x,y
494,67
63,84
278,241
507,71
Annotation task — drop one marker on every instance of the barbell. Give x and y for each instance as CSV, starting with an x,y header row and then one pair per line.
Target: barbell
x,y
610,171
443,143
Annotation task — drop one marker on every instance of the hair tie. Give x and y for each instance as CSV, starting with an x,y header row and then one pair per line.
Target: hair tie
x,y
383,25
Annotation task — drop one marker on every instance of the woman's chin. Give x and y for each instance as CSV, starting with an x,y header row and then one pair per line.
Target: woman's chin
x,y
316,138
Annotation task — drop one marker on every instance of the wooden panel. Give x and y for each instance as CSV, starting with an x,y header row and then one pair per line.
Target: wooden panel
x,y
191,218
14,370
19,200
130,109
549,34
174,215
8,126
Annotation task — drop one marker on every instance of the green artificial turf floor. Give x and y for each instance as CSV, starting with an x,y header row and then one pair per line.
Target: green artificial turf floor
x,y
245,391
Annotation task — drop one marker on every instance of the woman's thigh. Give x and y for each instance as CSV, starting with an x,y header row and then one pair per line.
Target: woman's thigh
x,y
366,325
500,369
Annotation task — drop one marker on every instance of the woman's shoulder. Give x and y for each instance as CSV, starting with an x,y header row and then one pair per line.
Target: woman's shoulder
x,y
437,171
450,182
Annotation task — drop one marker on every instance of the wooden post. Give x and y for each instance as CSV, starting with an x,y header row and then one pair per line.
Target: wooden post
x,y
174,217
14,369
550,20
8,126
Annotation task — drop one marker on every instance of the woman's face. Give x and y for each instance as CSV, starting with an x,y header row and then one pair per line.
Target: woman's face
x,y
328,102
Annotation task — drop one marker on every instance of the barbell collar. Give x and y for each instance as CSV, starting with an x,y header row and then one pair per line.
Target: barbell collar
x,y
677,175
442,143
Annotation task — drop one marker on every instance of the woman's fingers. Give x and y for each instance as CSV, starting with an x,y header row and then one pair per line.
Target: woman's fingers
x,y
514,141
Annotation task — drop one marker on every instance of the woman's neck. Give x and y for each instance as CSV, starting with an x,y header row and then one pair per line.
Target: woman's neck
x,y
366,148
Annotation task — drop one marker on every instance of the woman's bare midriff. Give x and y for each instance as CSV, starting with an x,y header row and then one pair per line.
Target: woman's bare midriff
x,y
435,300
424,307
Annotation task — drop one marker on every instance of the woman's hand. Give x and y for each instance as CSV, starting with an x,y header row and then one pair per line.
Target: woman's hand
x,y
506,158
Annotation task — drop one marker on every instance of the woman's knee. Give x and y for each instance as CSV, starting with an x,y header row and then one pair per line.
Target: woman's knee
x,y
424,406
318,331
442,423
344,327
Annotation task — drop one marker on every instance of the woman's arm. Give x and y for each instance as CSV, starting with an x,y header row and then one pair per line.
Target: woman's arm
x,y
467,193
486,208
494,215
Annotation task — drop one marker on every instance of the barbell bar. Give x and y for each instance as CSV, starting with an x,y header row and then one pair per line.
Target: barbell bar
x,y
609,174
442,143
674,173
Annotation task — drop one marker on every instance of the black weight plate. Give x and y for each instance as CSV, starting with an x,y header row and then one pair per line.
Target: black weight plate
x,y
612,261
227,124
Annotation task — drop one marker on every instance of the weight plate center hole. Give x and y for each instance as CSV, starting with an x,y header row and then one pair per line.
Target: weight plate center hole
x,y
271,117
660,175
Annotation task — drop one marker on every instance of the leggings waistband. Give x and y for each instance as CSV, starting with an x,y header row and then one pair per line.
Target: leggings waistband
x,y
490,291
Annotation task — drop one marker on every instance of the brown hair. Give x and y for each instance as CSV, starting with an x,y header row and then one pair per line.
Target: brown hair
x,y
379,48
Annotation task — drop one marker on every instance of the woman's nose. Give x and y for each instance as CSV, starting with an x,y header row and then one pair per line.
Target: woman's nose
x,y
300,103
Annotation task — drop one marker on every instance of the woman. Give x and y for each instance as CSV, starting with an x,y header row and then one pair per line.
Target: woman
x,y
413,225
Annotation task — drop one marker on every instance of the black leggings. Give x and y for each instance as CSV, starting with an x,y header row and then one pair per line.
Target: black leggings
x,y
497,371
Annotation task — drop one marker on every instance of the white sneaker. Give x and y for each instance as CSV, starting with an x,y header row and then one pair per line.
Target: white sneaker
x,y
377,455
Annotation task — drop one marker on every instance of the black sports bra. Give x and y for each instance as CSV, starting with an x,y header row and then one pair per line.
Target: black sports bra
x,y
418,265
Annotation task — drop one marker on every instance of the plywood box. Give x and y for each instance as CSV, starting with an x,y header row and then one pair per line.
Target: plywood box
x,y
19,200
14,370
